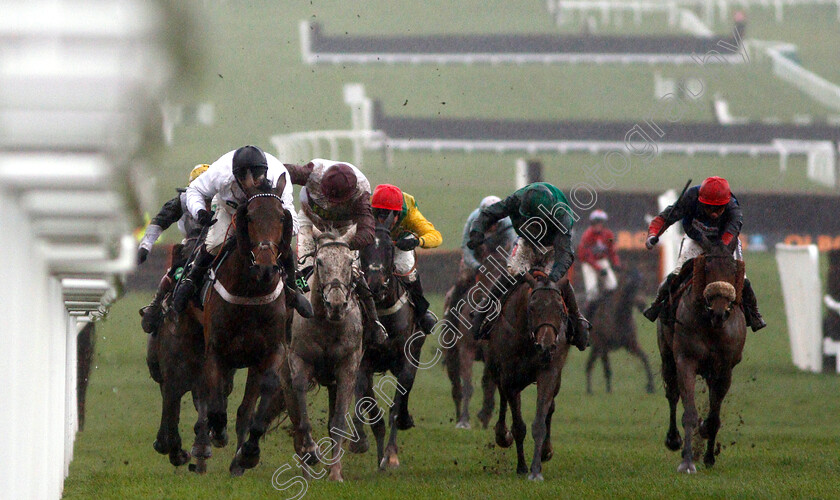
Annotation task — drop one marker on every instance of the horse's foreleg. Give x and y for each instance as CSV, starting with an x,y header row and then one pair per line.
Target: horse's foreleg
x,y
686,373
168,439
605,360
399,417
214,383
452,363
636,350
519,430
546,390
246,409
297,375
341,399
718,388
363,384
673,441
503,436
489,389
590,363
467,358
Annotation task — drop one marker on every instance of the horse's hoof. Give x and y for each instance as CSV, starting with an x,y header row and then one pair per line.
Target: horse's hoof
x,y
311,456
359,447
335,476
709,460
546,455
650,389
220,440
535,477
199,451
247,457
236,470
462,425
673,443
179,458
159,447
504,441
405,422
389,462
521,469
687,468
199,467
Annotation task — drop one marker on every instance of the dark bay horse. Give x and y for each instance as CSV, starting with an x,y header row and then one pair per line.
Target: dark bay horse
x,y
459,359
399,354
528,344
613,328
707,339
245,322
326,349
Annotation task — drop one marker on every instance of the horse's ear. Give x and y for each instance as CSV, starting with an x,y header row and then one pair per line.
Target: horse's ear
x,y
705,243
316,233
733,245
281,185
288,227
351,232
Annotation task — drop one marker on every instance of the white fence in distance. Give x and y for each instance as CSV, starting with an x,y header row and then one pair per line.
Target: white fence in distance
x,y
802,289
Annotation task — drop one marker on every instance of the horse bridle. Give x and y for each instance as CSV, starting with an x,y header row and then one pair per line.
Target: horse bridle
x,y
323,288
532,329
388,272
264,245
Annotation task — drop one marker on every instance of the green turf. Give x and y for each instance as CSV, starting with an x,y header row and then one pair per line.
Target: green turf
x,y
778,435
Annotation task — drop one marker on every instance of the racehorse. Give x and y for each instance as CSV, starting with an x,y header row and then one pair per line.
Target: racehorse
x,y
613,328
528,344
327,349
400,354
245,326
707,339
459,359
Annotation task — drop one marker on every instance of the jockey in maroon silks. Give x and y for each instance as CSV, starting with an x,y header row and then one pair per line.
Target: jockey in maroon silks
x,y
598,257
708,210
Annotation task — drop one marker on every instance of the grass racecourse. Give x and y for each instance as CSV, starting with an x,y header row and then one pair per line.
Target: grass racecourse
x,y
779,434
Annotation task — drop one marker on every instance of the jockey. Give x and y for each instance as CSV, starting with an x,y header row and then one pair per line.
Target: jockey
x,y
707,210
542,218
398,212
223,184
335,197
598,256
500,234
172,211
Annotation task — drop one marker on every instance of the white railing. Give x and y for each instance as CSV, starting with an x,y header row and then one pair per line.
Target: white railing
x,y
79,79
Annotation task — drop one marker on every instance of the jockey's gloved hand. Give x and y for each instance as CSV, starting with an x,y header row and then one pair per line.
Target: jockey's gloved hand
x,y
407,243
651,241
204,217
142,255
476,239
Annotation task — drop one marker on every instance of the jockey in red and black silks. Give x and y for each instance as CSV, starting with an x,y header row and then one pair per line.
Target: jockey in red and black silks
x,y
711,211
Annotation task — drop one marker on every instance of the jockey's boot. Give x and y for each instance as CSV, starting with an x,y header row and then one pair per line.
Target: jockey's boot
x,y
425,318
754,319
153,313
374,331
578,334
661,300
491,303
294,296
191,284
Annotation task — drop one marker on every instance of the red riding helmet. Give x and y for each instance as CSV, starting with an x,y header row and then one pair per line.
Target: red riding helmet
x,y
715,191
387,196
338,183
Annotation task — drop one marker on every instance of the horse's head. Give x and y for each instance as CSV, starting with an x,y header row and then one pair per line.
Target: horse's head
x,y
377,261
547,314
263,228
722,276
334,271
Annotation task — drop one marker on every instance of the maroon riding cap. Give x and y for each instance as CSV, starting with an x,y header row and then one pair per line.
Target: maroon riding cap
x,y
338,183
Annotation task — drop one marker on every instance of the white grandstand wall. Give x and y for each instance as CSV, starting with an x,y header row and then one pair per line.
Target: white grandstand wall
x,y
802,292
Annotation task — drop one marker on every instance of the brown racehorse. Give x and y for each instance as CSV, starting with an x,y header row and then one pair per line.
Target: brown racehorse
x,y
528,344
613,328
245,321
459,359
404,344
706,339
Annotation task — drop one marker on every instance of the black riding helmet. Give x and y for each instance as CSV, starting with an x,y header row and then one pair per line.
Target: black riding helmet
x,y
249,158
